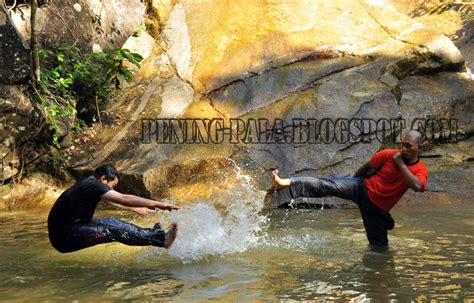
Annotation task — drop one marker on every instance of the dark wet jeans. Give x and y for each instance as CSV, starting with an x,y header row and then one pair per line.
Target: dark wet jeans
x,y
376,220
107,230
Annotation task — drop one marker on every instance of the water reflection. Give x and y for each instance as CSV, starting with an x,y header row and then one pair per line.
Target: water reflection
x,y
378,276
300,255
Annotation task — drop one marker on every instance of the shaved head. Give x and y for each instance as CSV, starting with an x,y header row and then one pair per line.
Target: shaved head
x,y
410,145
415,135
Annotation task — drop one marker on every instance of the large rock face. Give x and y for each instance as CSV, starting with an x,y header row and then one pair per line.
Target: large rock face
x,y
93,24
14,56
444,95
308,60
214,45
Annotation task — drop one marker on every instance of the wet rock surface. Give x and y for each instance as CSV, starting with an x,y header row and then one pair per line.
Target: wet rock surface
x,y
444,95
283,60
36,191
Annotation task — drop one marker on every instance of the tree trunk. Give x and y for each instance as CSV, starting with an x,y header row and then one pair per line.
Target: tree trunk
x,y
34,43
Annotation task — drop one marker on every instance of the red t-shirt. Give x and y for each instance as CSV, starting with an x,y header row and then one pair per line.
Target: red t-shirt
x,y
388,185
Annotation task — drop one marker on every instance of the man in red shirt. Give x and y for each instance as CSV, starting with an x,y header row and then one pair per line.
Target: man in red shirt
x,y
376,186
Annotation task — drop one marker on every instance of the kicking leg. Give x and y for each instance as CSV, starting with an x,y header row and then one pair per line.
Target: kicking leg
x,y
376,221
312,187
107,230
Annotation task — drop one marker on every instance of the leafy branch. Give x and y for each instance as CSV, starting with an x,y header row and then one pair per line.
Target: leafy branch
x,y
72,75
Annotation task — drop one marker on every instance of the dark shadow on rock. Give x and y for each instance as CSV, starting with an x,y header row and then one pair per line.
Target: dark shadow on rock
x,y
466,11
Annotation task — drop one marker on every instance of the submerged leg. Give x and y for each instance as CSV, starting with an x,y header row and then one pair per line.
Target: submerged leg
x,y
377,222
376,232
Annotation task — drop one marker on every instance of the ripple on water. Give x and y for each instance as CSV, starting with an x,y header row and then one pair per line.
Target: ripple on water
x,y
231,253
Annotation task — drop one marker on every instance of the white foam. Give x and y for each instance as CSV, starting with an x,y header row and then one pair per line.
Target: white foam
x,y
469,73
205,231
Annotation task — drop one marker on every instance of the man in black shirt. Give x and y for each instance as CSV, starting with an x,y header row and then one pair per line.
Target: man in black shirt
x,y
72,228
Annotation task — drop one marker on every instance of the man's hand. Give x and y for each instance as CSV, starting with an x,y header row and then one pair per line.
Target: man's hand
x,y
397,158
132,201
170,207
412,181
143,210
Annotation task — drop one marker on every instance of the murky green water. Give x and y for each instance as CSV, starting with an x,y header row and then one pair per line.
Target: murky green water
x,y
300,255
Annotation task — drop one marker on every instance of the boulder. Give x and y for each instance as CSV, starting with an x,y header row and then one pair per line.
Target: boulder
x,y
38,191
14,54
15,126
352,94
237,40
274,34
93,24
450,167
278,60
467,49
258,91
441,96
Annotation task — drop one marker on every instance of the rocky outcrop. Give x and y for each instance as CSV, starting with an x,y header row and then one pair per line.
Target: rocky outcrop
x,y
278,60
95,25
443,96
345,59
268,36
16,122
14,55
36,191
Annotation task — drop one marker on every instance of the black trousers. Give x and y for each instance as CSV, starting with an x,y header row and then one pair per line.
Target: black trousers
x,y
98,231
376,220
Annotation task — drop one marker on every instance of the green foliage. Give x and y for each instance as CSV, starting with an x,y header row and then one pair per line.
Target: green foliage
x,y
77,126
75,71
426,56
54,114
70,74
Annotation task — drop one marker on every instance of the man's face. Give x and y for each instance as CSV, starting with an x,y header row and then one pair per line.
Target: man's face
x,y
409,148
111,183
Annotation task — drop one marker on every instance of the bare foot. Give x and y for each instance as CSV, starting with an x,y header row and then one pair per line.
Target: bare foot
x,y
274,176
278,182
170,235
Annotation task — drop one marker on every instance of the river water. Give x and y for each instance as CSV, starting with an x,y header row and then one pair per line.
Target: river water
x,y
238,253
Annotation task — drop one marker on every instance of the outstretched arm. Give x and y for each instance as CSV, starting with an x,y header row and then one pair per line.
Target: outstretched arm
x,y
412,181
135,201
138,210
365,171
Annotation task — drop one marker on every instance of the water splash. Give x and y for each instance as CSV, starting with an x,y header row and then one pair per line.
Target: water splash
x,y
469,73
222,225
205,231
